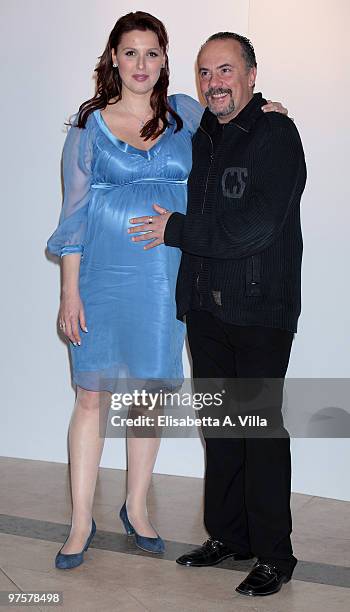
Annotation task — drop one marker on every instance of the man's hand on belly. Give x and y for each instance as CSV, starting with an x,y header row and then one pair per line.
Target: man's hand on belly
x,y
154,226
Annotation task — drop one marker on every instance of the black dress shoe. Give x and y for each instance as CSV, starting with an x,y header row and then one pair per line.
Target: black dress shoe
x,y
264,579
210,553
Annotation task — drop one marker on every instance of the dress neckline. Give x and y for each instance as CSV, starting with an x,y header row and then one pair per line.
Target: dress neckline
x,y
125,146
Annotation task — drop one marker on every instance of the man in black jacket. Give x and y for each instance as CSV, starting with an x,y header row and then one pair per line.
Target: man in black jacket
x,y
239,287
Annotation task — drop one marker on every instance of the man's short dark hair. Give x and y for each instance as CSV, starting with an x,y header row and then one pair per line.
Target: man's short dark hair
x,y
248,52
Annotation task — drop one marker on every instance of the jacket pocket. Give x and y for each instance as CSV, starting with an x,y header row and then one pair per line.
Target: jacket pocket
x,y
253,276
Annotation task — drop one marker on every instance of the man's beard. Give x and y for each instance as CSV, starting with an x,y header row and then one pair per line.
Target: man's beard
x,y
224,111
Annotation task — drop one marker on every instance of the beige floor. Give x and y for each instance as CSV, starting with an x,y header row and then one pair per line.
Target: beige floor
x,y
124,582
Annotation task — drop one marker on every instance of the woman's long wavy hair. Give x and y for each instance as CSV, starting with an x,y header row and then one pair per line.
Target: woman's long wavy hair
x,y
109,84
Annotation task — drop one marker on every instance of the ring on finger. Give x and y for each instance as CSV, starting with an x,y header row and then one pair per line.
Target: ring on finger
x,y
150,219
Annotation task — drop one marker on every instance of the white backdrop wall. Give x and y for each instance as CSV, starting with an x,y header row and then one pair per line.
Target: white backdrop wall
x,y
51,49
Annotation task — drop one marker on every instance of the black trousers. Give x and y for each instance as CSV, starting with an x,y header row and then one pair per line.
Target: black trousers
x,y
248,480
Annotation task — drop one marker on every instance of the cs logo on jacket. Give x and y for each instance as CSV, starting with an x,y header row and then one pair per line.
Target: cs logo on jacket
x,y
233,182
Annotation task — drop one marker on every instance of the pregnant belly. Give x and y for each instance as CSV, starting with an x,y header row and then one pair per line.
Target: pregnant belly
x,y
110,211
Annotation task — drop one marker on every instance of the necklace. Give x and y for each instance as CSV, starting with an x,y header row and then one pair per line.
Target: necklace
x,y
141,121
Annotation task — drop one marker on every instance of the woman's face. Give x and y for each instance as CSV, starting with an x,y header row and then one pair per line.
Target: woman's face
x,y
139,59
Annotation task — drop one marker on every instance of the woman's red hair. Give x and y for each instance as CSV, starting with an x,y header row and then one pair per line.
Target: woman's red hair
x,y
109,84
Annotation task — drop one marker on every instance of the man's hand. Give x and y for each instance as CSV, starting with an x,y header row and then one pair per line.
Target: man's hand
x,y
154,226
276,107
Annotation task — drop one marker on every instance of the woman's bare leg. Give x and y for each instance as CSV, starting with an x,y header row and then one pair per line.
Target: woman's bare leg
x,y
142,454
85,450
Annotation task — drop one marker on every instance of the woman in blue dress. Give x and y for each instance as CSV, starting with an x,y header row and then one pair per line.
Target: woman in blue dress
x,y
128,148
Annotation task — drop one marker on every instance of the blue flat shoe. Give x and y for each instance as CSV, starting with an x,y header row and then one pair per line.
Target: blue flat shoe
x,y
63,561
153,545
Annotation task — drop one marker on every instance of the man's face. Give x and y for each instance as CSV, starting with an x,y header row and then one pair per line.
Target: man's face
x,y
225,81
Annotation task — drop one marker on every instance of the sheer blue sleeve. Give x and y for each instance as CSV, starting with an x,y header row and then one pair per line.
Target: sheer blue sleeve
x,y
71,230
189,110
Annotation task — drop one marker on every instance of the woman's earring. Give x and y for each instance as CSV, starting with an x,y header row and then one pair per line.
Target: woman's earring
x,y
115,65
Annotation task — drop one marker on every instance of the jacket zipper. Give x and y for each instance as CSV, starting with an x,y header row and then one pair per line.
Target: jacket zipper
x,y
211,161
253,282
253,278
204,198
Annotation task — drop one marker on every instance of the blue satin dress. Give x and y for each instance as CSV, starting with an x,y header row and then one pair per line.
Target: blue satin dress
x,y
128,293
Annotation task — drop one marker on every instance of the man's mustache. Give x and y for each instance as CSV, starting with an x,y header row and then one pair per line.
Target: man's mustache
x,y
217,90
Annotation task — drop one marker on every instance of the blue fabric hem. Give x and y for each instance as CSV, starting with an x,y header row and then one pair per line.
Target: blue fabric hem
x,y
67,250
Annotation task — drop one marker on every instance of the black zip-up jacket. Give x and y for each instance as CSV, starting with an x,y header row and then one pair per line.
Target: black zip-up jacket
x,y
241,237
